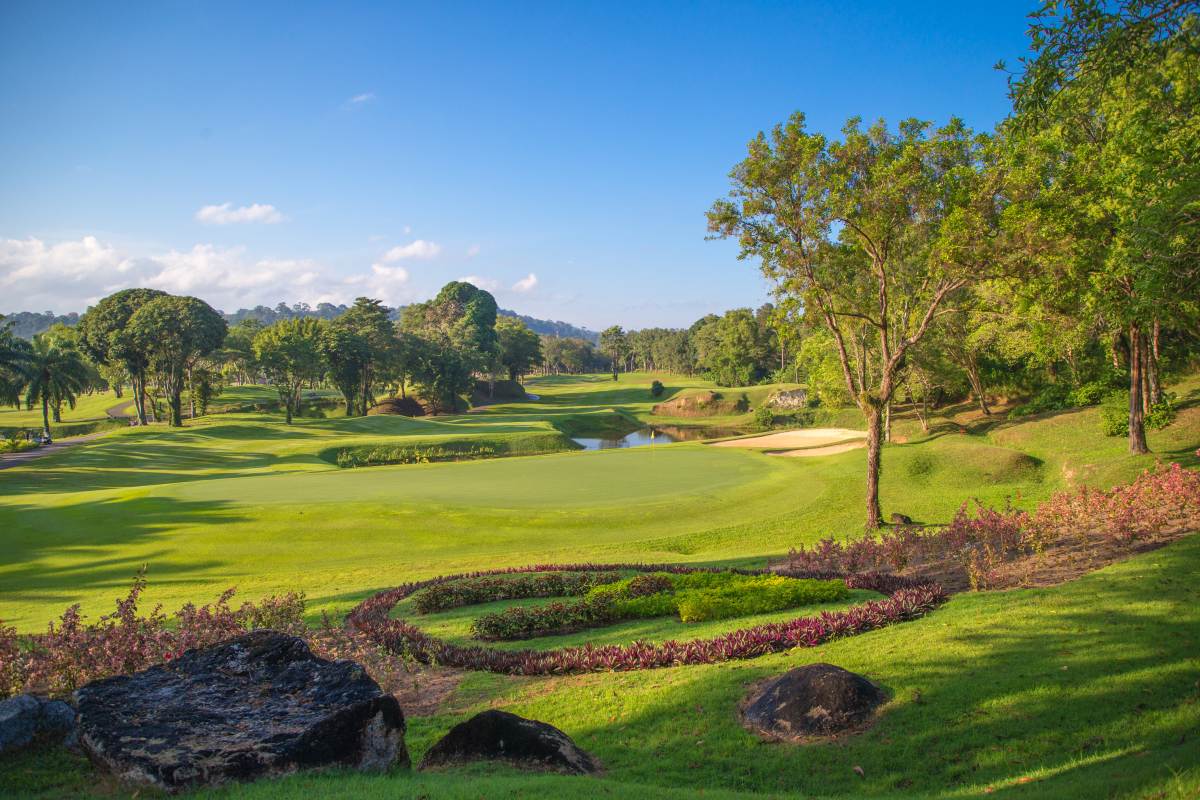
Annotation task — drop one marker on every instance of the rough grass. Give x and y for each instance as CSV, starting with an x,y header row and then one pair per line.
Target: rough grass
x,y
1079,691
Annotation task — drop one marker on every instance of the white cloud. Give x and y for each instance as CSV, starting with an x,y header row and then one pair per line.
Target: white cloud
x,y
359,99
71,275
487,284
526,284
472,251
419,249
226,214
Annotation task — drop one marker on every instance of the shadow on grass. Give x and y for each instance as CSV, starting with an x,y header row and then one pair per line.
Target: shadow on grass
x,y
1085,690
39,540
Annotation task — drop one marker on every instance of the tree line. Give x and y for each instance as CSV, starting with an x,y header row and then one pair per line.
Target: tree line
x,y
1068,238
169,347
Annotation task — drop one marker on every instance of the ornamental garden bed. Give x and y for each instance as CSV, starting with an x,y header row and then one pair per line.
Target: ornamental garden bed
x,y
824,606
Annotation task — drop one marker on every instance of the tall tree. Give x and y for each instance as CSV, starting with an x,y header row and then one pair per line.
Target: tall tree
x,y
1107,135
290,353
55,372
104,336
174,332
614,344
875,232
520,348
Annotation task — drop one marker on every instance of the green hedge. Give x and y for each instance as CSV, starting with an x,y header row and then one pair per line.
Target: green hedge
x,y
525,444
704,596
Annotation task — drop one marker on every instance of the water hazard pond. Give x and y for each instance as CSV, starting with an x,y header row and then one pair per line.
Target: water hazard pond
x,y
659,434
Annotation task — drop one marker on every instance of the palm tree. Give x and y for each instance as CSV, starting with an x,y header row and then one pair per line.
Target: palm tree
x,y
54,373
14,354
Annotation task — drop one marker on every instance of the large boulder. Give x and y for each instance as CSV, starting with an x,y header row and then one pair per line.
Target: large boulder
x,y
25,718
812,701
500,736
788,399
260,704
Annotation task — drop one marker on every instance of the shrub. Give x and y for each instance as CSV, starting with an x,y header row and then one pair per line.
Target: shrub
x,y
1161,500
907,599
471,591
1053,397
16,445
743,403
758,595
526,622
657,389
920,465
452,450
1162,413
764,418
1091,393
74,652
1114,414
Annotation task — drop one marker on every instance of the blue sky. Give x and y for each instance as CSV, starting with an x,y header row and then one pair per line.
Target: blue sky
x,y
562,154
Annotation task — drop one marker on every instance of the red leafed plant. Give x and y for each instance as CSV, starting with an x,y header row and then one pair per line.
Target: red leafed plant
x,y
907,599
1161,500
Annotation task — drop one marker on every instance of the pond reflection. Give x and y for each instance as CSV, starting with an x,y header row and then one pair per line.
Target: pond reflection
x,y
652,435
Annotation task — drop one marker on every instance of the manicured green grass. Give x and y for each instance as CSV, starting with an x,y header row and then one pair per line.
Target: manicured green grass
x,y
1086,690
242,499
87,407
1083,690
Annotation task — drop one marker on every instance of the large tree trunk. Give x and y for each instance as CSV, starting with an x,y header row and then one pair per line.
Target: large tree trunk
x,y
874,451
45,414
139,397
1152,366
56,410
1137,422
176,403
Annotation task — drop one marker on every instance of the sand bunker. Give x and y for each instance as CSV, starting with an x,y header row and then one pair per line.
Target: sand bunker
x,y
804,438
828,450
806,443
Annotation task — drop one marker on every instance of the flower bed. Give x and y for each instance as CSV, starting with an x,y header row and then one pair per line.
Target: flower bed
x,y
694,597
981,546
491,588
907,599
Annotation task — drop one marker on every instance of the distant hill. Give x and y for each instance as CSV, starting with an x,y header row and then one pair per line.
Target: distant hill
x,y
28,324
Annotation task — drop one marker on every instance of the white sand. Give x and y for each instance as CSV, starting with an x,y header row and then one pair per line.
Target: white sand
x,y
805,438
829,450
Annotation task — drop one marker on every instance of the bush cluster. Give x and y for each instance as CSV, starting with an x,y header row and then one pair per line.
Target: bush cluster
x,y
452,450
527,622
74,652
1160,500
907,599
1114,414
764,418
1060,396
657,389
16,445
412,454
489,589
694,597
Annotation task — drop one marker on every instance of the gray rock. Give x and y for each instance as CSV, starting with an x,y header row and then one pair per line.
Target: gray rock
x,y
811,701
25,718
788,399
257,705
901,519
500,736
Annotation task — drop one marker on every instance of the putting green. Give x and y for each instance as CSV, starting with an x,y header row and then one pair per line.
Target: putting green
x,y
680,472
